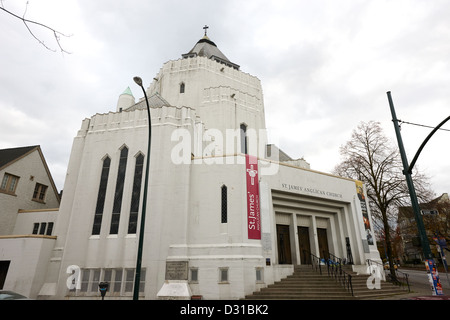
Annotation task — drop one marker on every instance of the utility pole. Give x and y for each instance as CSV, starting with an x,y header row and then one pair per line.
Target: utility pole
x,y
412,192
433,275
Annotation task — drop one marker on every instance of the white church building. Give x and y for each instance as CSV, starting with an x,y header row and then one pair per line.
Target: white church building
x,y
227,213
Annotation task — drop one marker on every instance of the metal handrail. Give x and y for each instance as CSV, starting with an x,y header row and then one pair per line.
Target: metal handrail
x,y
315,261
334,268
399,275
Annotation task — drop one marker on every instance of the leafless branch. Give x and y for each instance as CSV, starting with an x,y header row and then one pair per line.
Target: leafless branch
x,y
57,34
369,156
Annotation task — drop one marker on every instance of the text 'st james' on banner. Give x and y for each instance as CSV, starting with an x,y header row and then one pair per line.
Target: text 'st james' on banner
x,y
253,211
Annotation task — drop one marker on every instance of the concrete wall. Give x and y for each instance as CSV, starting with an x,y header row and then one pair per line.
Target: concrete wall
x,y
29,257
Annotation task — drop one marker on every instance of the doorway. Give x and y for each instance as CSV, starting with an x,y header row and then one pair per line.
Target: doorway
x,y
304,245
284,244
4,266
323,243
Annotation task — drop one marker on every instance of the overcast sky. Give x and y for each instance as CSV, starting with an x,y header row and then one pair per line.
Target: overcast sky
x,y
324,67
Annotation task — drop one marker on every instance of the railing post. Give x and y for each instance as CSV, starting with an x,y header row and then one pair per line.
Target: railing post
x,y
407,282
350,282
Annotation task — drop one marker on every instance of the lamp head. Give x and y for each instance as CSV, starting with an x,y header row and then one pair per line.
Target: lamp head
x,y
138,81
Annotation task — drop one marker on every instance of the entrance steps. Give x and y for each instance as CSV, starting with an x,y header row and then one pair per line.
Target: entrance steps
x,y
308,284
381,289
303,284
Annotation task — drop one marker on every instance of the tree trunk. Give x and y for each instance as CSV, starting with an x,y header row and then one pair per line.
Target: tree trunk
x,y
387,235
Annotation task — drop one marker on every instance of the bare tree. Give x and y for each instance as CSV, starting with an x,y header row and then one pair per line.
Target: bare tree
x,y
57,34
370,157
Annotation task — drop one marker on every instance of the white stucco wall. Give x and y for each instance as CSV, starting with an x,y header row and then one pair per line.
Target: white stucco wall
x,y
30,170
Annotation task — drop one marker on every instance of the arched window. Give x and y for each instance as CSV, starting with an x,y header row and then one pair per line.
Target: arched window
x,y
182,87
224,203
136,194
101,196
243,128
115,218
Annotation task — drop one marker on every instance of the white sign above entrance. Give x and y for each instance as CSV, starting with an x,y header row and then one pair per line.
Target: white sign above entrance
x,y
310,190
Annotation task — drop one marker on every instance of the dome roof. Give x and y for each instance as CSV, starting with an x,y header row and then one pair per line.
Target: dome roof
x,y
206,48
128,91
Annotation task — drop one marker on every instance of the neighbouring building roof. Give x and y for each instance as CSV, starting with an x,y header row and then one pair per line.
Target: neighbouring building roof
x,y
407,212
11,155
8,156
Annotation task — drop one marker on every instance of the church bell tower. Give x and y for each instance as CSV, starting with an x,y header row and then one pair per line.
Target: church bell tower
x,y
223,97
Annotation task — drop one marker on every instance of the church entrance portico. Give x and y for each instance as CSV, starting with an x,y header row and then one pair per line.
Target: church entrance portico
x,y
296,243
306,226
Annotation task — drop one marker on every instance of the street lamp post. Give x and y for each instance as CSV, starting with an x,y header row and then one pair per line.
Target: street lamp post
x,y
437,288
412,192
137,278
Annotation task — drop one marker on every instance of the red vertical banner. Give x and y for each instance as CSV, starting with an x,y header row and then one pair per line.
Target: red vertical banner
x,y
253,211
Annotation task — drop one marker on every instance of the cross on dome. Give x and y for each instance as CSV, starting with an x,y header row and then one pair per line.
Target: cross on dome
x,y
206,48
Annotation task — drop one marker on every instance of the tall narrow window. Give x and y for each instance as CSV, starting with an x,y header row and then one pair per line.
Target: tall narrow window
x,y
35,228
43,227
115,218
182,86
95,280
142,281
243,138
224,215
49,229
117,284
135,196
85,280
101,197
129,277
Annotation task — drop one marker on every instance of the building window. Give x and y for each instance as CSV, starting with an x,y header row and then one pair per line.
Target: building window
x,y
243,128
182,87
49,229
259,275
121,281
224,203
9,183
39,192
194,275
136,193
117,284
101,196
142,281
95,280
129,280
85,276
223,275
115,218
43,227
107,277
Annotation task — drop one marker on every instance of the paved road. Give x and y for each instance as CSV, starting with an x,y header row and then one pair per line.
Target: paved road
x,y
418,280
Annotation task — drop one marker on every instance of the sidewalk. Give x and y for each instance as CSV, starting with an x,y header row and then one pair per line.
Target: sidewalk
x,y
416,291
422,288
